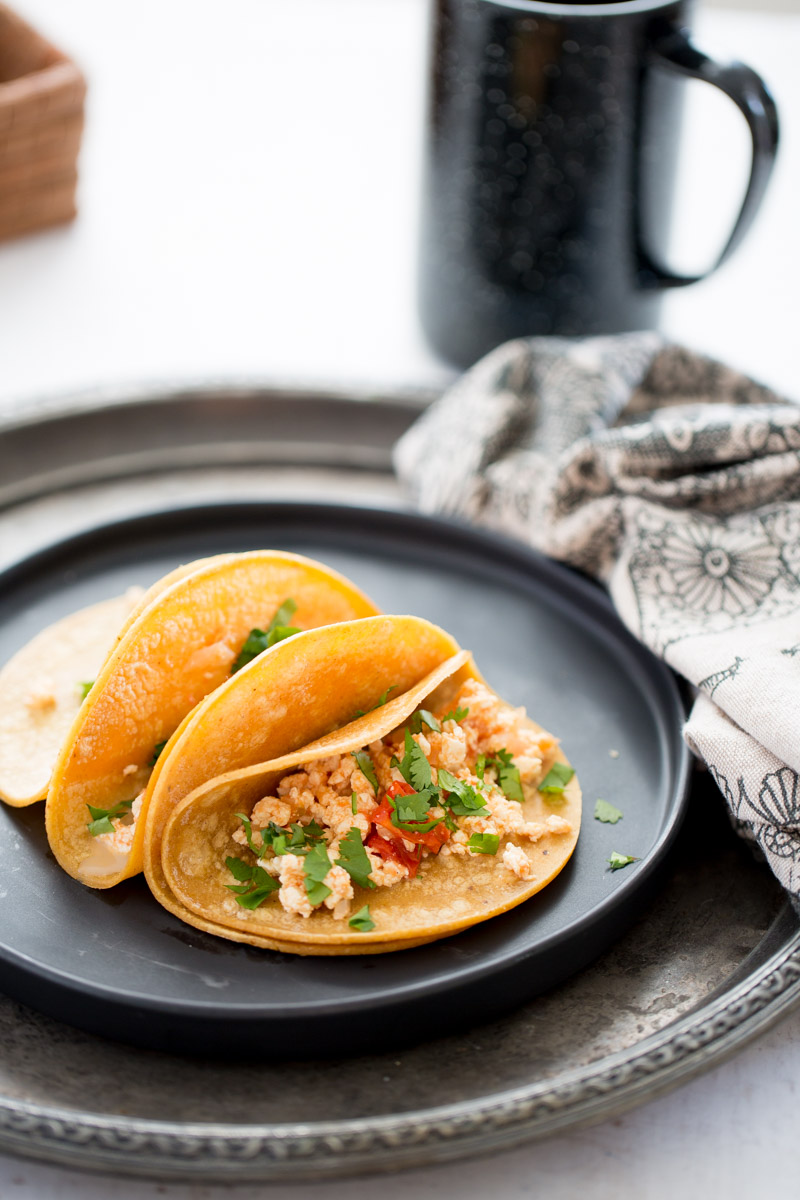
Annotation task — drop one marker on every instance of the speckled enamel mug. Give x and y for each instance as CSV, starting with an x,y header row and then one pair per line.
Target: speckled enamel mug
x,y
551,154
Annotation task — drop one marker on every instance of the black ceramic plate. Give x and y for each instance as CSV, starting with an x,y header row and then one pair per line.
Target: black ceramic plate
x,y
115,963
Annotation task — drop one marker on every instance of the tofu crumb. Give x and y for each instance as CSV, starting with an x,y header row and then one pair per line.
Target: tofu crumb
x,y
131,769
40,701
517,861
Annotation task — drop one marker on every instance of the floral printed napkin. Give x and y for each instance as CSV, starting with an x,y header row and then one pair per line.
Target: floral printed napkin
x,y
676,481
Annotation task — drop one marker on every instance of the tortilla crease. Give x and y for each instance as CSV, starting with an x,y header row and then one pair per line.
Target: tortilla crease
x,y
449,894
179,646
295,693
40,693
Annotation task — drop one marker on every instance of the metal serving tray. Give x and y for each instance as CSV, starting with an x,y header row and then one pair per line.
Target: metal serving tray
x,y
712,961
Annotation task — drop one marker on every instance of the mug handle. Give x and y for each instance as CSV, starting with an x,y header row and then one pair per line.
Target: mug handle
x,y
751,96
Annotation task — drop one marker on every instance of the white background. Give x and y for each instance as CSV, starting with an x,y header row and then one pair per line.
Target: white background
x,y
248,208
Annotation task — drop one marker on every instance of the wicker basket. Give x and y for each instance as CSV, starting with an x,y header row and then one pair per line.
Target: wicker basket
x,y
41,120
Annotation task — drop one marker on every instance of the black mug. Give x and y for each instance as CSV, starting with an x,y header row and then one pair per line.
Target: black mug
x,y
550,159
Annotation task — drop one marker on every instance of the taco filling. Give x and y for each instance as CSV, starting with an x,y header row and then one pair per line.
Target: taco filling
x,y
449,784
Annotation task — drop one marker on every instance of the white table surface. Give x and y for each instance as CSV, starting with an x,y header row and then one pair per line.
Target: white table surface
x,y
248,197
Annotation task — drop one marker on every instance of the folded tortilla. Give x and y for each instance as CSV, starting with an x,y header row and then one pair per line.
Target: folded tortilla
x,y
180,644
450,893
294,694
41,691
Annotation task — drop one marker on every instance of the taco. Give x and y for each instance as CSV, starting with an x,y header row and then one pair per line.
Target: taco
x,y
42,688
437,810
296,693
192,631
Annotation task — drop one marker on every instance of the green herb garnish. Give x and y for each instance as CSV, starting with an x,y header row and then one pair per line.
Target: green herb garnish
x,y
354,803
259,640
84,689
367,769
157,750
556,779
464,800
362,712
102,817
617,861
248,833
415,767
315,868
423,717
254,883
508,776
484,843
353,857
456,714
605,812
480,766
362,921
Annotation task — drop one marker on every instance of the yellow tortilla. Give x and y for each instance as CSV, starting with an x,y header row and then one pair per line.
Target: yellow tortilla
x,y
40,693
179,646
448,895
294,694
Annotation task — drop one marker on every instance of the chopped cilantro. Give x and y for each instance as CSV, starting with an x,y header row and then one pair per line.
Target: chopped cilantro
x,y
157,749
259,640
367,769
353,857
508,776
464,800
484,843
423,717
411,812
362,921
415,767
315,868
102,817
248,833
354,803
480,766
362,712
254,883
556,779
456,714
617,861
85,688
605,812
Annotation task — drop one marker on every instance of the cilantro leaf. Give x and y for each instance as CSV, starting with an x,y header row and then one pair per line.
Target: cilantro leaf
x,y
556,779
353,857
254,883
423,717
480,766
411,812
464,800
259,640
315,868
102,817
415,767
456,714
157,750
367,769
617,861
508,776
484,843
248,833
84,689
354,803
362,712
362,921
607,813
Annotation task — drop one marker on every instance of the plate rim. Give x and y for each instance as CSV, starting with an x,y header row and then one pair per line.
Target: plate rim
x,y
718,1027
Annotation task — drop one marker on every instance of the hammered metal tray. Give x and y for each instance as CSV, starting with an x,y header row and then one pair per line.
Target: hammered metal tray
x,y
712,961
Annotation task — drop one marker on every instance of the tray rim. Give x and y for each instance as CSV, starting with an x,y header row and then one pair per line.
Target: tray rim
x,y
217,1152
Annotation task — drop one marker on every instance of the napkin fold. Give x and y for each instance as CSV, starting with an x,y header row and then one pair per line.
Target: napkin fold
x,y
674,480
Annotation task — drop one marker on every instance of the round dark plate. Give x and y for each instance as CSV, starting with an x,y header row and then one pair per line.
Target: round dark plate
x,y
117,964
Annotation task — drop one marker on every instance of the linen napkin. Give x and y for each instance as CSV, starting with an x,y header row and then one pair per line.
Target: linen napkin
x,y
675,481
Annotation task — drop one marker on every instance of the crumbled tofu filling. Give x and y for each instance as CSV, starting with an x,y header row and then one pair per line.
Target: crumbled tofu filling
x,y
336,795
